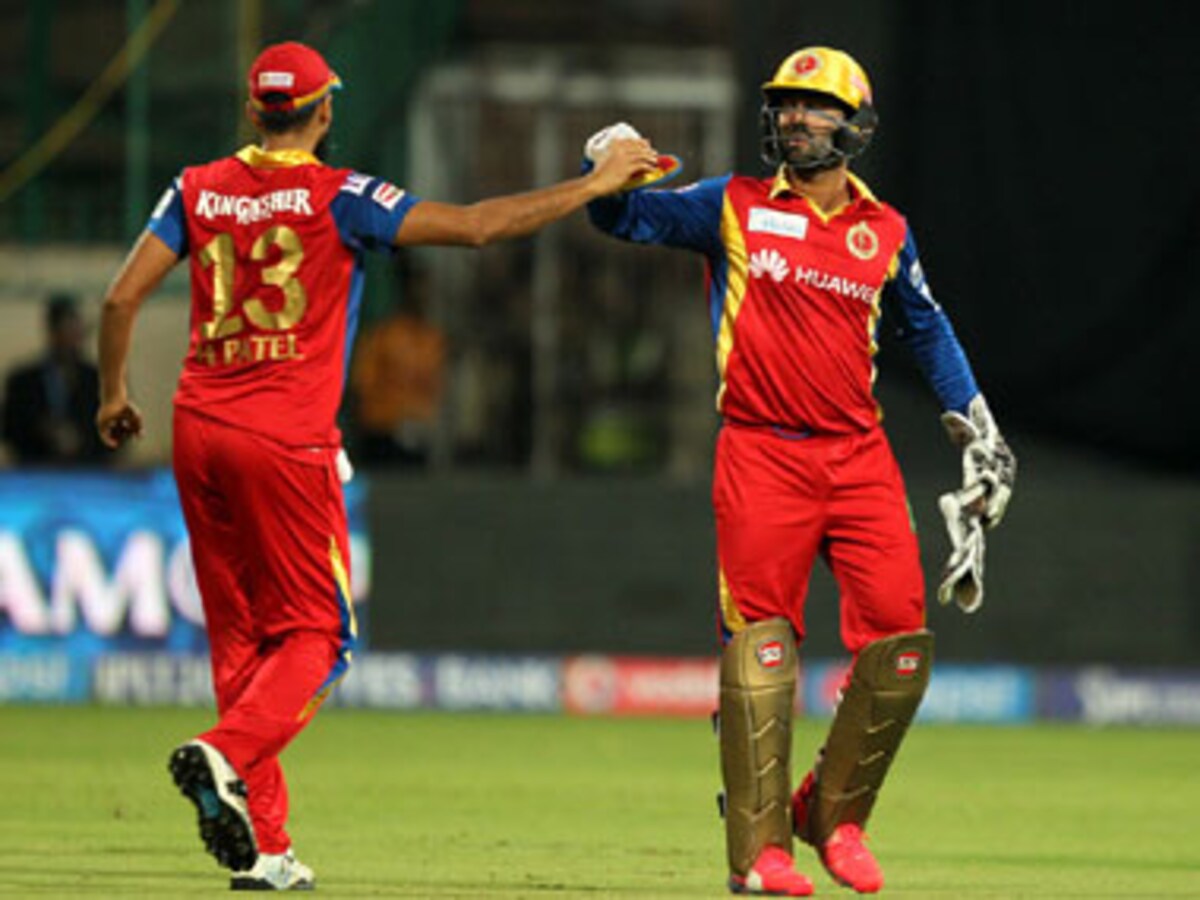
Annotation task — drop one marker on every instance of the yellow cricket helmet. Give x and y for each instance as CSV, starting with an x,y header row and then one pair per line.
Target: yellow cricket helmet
x,y
823,70
831,73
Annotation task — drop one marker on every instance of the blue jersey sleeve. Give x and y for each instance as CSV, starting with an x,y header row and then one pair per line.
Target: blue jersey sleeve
x,y
368,211
926,331
167,222
688,217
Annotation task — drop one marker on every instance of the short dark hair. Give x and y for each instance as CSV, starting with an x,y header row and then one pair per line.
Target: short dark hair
x,y
283,121
60,308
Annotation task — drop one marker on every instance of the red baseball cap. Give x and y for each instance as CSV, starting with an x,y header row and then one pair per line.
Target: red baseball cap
x,y
294,70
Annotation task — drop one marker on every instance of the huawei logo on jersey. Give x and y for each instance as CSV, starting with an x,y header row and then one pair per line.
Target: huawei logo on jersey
x,y
862,241
769,261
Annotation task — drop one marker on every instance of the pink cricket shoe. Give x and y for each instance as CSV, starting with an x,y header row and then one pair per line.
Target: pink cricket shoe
x,y
774,874
845,855
849,862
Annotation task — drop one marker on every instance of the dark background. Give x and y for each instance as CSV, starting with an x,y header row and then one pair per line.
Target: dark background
x,y
1044,155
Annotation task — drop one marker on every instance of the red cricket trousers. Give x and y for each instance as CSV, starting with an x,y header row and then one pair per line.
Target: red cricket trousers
x,y
780,500
270,545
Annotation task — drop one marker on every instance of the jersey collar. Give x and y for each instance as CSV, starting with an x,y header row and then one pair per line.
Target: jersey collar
x,y
256,156
858,188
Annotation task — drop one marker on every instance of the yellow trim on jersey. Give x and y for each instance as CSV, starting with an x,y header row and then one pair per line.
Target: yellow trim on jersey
x,y
314,704
861,187
252,155
342,579
731,616
735,288
858,191
780,183
342,583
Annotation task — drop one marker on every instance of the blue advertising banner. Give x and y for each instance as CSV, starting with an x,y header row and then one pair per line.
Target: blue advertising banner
x,y
1100,695
95,563
957,693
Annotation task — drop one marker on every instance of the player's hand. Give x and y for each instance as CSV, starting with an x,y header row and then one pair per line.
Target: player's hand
x,y
989,465
622,161
597,145
117,422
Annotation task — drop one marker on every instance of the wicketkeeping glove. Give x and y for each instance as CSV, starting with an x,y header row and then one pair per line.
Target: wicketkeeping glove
x,y
987,459
962,575
989,473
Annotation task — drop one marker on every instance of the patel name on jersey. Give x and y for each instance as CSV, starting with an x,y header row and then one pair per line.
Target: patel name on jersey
x,y
255,348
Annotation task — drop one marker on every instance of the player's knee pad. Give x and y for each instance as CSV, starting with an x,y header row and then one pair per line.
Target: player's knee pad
x,y
887,683
758,686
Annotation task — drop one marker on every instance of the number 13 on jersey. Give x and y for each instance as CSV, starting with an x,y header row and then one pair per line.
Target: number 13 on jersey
x,y
222,336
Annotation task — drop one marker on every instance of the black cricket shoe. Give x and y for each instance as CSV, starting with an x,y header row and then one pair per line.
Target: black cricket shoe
x,y
205,777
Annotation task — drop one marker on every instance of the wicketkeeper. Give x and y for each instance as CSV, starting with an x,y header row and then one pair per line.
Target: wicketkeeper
x,y
800,266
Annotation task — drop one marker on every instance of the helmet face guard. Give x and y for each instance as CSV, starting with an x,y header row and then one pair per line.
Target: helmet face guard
x,y
832,75
846,141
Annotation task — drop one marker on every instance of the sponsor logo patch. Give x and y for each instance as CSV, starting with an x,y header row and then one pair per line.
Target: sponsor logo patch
x,y
908,664
862,241
387,195
275,80
771,221
770,654
769,262
807,65
356,183
244,208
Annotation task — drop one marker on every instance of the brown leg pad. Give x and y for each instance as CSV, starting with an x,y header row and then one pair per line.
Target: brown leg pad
x,y
886,686
758,687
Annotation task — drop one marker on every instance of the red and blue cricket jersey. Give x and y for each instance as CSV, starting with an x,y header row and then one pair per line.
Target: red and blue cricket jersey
x,y
795,297
276,243
802,468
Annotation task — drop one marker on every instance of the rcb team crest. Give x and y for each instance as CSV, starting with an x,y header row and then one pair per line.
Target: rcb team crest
x,y
862,241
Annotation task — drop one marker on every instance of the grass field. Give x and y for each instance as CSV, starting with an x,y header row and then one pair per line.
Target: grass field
x,y
439,805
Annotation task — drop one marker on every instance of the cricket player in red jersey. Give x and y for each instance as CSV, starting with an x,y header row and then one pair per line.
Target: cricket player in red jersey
x,y
799,267
275,241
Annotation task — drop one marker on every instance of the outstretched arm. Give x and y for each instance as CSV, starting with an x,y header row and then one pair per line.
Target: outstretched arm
x,y
517,215
144,269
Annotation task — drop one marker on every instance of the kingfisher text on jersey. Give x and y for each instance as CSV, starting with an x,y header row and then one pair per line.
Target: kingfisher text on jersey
x,y
244,210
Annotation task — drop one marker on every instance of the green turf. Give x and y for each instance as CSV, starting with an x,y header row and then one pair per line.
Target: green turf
x,y
403,805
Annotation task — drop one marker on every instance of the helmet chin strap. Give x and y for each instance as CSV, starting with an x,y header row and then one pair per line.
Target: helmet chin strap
x,y
829,161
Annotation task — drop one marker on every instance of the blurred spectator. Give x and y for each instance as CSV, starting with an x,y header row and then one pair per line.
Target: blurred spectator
x,y
396,382
50,403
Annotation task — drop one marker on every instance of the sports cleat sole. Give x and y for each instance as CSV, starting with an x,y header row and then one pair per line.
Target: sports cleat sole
x,y
261,884
738,887
224,829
